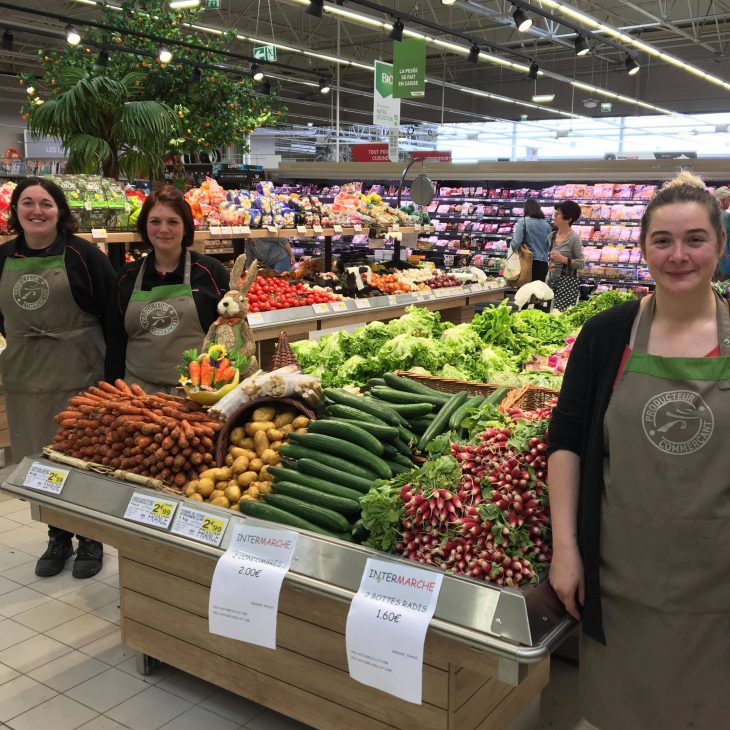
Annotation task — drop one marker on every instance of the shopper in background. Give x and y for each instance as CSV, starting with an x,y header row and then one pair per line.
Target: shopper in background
x,y
54,287
639,485
534,231
723,197
163,303
271,253
566,249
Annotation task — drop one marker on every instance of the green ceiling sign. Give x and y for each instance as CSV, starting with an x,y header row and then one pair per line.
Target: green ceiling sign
x,y
409,68
264,53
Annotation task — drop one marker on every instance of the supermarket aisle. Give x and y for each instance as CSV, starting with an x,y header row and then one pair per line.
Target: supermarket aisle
x,y
62,664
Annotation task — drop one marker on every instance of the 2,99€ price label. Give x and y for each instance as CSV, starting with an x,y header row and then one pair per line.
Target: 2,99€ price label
x,y
387,624
244,593
201,526
148,510
45,478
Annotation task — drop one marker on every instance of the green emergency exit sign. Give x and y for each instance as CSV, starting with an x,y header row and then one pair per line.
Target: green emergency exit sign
x,y
212,4
264,53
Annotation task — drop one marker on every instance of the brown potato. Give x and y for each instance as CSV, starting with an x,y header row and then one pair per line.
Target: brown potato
x,y
197,497
265,413
249,453
249,497
240,465
300,422
229,459
221,502
232,483
261,441
284,418
253,491
235,452
288,428
252,428
215,494
247,478
273,434
264,487
300,430
275,445
264,474
190,488
237,434
233,493
269,456
205,487
255,465
247,443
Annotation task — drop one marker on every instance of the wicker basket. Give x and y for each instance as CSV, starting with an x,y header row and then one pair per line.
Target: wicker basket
x,y
239,418
529,397
450,385
284,355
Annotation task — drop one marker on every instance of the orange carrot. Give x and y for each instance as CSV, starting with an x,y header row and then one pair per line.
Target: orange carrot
x,y
206,371
194,372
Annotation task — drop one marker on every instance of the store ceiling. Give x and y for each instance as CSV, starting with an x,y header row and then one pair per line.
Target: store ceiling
x,y
695,32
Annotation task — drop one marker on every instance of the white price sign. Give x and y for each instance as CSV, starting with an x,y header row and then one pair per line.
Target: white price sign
x,y
244,594
237,230
98,234
339,306
201,526
441,293
246,230
318,229
150,510
45,478
301,229
387,624
320,308
338,229
362,304
226,231
392,299
215,230
357,227
255,318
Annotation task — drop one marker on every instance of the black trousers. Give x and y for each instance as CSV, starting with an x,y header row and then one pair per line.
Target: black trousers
x,y
58,534
539,270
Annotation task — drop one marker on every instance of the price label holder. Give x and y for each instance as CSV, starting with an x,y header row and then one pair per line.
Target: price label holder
x,y
357,228
237,230
395,228
417,227
362,304
215,231
272,229
302,230
246,230
45,478
440,293
392,299
318,230
226,231
320,308
244,593
201,526
387,624
98,234
148,510
338,229
255,318
338,306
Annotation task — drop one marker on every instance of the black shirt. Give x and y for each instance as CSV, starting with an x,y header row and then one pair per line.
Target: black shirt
x,y
209,279
577,425
90,274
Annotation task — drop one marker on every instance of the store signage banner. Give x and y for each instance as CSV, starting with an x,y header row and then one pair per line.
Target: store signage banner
x,y
370,152
409,68
244,594
387,624
386,108
393,135
435,155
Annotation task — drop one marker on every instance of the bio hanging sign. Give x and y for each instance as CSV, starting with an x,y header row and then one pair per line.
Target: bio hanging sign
x,y
386,108
409,68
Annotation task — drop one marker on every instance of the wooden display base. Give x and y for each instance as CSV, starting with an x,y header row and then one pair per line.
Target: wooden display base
x,y
164,595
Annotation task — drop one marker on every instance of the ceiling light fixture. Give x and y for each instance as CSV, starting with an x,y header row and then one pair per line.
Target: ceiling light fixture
x,y
632,67
448,2
315,8
197,75
396,32
473,56
543,98
256,72
73,37
325,85
533,72
581,46
182,4
102,60
164,54
8,40
522,22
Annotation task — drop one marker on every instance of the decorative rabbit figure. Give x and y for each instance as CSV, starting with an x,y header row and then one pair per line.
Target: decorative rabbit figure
x,y
231,329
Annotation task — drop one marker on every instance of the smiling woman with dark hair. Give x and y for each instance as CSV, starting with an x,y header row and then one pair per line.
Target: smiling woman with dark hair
x,y
54,287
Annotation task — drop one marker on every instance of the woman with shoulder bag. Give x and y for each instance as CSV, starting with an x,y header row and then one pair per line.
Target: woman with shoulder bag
x,y
566,255
534,231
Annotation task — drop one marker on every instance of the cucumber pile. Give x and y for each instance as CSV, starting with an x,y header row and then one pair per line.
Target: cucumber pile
x,y
362,439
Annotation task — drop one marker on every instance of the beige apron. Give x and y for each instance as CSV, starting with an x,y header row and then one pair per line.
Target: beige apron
x,y
161,324
55,349
665,545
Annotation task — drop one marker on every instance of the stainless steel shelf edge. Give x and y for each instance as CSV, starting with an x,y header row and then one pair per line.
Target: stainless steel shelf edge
x,y
519,627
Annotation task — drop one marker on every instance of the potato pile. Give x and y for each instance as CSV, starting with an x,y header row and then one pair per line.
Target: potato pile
x,y
253,448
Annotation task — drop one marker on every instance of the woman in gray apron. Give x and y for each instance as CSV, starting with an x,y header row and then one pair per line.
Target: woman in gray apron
x,y
640,484
53,292
164,303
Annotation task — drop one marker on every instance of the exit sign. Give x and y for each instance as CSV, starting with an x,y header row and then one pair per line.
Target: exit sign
x,y
264,53
606,106
212,4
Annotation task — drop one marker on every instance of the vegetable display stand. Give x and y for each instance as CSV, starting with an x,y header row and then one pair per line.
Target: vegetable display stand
x,y
486,656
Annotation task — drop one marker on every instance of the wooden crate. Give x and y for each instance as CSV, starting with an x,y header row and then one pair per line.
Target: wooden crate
x,y
450,385
164,593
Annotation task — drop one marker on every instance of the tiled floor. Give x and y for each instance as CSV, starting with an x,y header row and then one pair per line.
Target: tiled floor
x,y
62,664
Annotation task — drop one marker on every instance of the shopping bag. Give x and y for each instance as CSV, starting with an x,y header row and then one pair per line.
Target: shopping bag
x,y
567,290
518,268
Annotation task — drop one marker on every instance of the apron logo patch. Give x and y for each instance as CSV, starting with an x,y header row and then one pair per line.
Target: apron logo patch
x,y
159,318
30,291
678,422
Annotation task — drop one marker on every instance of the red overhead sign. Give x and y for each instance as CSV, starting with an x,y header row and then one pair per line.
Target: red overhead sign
x,y
444,156
370,152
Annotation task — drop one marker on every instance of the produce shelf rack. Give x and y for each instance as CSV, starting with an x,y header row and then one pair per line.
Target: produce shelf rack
x,y
486,656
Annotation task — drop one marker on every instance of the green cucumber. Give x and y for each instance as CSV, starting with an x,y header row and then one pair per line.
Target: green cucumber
x,y
296,451
460,413
314,496
263,511
347,432
382,433
406,435
389,452
413,386
281,474
341,411
440,424
498,396
325,518
360,533
404,460
378,410
406,410
316,468
419,425
403,448
374,382
401,397
343,449
400,468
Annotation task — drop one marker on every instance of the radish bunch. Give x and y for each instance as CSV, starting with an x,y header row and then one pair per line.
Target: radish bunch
x,y
494,523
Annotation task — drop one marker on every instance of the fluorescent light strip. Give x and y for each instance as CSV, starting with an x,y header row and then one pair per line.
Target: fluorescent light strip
x,y
640,45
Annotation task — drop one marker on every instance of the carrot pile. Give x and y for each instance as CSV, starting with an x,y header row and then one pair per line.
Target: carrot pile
x,y
161,436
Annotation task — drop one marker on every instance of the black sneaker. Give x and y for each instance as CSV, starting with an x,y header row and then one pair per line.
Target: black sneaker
x,y
88,558
52,561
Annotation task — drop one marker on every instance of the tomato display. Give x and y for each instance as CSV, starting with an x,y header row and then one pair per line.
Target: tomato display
x,y
269,293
